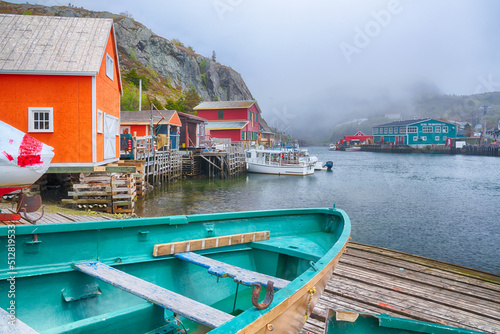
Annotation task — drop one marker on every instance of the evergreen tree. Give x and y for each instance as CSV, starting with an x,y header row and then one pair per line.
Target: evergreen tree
x,y
191,100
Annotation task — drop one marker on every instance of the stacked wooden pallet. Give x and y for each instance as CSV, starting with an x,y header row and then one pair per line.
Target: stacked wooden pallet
x,y
141,185
108,192
123,193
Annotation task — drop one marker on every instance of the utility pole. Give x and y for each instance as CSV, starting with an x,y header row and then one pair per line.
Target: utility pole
x,y
140,94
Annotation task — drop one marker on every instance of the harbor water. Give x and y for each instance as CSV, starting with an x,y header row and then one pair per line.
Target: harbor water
x,y
445,207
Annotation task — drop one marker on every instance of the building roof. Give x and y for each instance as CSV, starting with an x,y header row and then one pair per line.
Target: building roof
x,y
191,117
52,44
403,123
226,105
264,127
227,125
144,117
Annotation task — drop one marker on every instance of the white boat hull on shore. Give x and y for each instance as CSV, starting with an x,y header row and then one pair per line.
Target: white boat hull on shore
x,y
24,159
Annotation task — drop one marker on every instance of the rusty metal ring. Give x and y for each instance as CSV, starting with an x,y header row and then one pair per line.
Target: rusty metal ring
x,y
269,295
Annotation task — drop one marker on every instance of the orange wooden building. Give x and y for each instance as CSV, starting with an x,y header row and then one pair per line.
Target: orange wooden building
x,y
60,83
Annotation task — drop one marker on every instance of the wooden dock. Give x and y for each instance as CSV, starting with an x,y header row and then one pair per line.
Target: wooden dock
x,y
56,218
378,280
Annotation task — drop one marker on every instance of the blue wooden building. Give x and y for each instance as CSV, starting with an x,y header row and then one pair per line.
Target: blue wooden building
x,y
416,132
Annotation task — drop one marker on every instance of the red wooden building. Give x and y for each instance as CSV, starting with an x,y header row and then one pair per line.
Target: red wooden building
x,y
60,83
358,139
235,120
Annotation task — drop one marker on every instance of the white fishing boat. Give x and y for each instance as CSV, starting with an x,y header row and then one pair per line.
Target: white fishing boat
x,y
279,162
23,159
353,149
332,147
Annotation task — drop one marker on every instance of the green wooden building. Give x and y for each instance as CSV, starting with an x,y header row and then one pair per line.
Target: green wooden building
x,y
416,132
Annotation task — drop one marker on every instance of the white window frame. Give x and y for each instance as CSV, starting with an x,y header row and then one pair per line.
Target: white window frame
x,y
100,121
415,138
427,129
437,129
390,131
445,129
402,130
109,66
424,138
412,129
31,118
436,138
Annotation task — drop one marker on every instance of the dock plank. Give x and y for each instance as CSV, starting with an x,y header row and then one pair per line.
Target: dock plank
x,y
428,270
377,280
428,292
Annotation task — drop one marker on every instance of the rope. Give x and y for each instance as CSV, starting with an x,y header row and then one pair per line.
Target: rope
x,y
311,293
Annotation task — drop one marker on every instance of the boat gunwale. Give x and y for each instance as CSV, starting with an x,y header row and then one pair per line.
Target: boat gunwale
x,y
152,221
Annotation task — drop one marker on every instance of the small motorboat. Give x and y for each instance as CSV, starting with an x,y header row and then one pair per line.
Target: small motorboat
x,y
346,322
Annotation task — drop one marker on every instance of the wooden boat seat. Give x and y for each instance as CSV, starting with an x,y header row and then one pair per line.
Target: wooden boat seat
x,y
155,294
207,243
240,275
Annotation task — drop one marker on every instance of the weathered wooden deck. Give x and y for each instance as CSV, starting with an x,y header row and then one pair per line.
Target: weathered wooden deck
x,y
377,280
56,218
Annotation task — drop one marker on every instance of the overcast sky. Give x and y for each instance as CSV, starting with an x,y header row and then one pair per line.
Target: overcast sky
x,y
332,60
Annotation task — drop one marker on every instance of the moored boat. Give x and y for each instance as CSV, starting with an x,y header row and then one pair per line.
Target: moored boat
x,y
346,322
23,159
279,162
150,274
332,147
353,149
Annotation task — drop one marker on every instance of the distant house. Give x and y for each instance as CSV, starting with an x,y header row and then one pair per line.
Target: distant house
x,y
60,82
192,132
235,120
266,134
417,132
357,139
164,122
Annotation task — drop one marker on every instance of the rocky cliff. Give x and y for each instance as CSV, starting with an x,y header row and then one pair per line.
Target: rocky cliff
x,y
170,67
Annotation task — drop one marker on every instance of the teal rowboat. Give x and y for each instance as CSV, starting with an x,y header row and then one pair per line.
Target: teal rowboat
x,y
345,322
178,274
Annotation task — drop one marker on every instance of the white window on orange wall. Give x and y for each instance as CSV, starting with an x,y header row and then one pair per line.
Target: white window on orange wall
x,y
109,66
40,119
100,120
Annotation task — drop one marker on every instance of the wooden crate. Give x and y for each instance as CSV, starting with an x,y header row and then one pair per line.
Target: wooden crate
x,y
108,192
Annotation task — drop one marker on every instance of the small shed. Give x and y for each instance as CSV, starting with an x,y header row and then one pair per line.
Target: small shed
x,y
192,132
146,123
60,83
